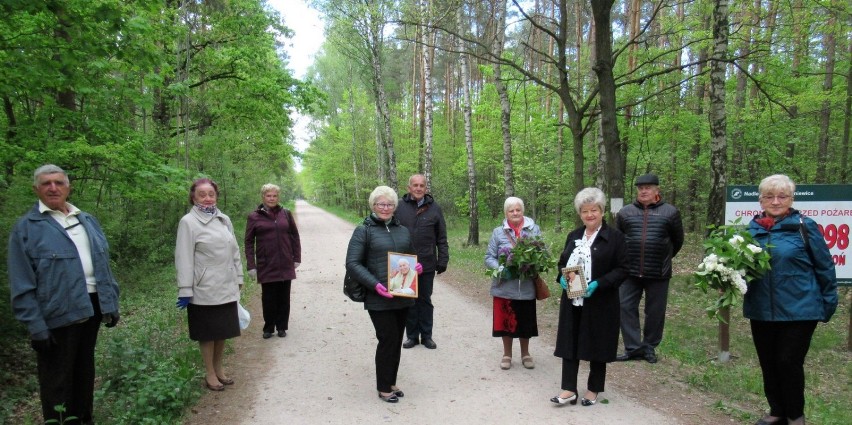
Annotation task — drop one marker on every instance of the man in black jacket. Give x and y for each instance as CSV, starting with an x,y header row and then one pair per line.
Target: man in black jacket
x,y
419,212
654,235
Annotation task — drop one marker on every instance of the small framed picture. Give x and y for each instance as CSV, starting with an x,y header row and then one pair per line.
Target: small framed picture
x,y
402,278
576,281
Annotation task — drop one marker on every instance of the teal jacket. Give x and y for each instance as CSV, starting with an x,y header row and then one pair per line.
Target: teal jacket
x,y
800,286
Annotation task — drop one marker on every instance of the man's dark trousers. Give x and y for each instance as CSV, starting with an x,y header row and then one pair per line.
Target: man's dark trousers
x,y
66,373
419,324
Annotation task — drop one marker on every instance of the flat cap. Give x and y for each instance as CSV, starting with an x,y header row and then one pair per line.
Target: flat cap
x,y
649,178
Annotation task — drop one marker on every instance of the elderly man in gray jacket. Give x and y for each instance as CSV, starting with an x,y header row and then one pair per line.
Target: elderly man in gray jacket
x,y
62,288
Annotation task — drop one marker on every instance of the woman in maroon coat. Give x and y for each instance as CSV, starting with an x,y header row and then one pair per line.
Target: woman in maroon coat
x,y
273,252
588,325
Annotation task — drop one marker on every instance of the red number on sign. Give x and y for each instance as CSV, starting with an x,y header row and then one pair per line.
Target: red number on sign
x,y
843,236
830,235
835,235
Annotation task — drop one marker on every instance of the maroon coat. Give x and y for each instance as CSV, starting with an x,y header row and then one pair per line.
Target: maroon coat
x,y
272,244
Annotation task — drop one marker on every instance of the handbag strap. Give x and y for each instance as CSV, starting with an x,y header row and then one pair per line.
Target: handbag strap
x,y
511,235
803,232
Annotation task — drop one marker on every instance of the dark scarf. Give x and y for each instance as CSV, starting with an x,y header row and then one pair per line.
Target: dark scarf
x,y
273,211
206,210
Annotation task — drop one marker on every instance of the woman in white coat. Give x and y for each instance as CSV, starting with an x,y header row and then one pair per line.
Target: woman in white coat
x,y
209,275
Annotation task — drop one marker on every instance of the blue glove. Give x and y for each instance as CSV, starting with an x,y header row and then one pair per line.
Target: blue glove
x,y
590,288
182,302
563,282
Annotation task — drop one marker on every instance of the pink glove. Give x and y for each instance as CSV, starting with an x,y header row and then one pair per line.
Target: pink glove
x,y
381,290
418,268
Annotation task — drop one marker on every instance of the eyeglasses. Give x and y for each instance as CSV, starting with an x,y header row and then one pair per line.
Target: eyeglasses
x,y
384,206
780,198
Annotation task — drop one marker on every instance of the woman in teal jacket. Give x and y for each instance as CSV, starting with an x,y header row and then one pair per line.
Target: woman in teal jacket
x,y
785,305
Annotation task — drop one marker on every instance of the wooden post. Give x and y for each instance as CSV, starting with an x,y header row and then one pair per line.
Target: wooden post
x,y
725,335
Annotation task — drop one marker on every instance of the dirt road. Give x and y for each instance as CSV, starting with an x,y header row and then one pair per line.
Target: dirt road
x,y
323,371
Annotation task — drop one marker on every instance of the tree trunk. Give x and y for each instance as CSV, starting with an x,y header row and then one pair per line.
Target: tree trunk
x,y
738,144
382,107
472,202
830,48
353,121
692,190
428,51
505,106
718,118
612,168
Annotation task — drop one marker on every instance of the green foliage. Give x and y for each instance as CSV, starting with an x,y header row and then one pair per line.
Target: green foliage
x,y
529,257
733,260
148,369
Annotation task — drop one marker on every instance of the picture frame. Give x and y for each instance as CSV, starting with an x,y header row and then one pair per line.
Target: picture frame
x,y
578,285
402,278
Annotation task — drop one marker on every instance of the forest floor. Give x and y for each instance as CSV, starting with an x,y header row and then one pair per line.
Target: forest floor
x,y
323,371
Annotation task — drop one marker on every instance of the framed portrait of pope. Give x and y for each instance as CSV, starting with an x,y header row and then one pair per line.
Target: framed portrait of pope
x,y
402,278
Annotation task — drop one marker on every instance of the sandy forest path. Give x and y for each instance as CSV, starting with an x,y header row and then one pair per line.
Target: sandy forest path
x,y
323,371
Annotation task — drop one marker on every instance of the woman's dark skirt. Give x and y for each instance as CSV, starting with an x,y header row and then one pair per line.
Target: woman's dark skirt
x,y
213,322
514,318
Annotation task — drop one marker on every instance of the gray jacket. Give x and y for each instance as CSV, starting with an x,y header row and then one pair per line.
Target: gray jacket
x,y
46,278
513,289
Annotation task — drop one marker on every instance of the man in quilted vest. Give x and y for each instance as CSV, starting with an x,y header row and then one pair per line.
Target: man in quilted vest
x,y
654,235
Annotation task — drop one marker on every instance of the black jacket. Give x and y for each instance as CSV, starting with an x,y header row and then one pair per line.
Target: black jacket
x,y
428,231
367,259
654,235
591,332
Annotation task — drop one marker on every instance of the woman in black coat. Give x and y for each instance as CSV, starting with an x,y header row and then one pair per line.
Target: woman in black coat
x,y
589,324
367,263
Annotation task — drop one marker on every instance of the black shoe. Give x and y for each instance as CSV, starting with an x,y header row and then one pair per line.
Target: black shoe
x,y
267,335
391,398
629,355
410,342
563,401
282,334
589,402
428,343
651,357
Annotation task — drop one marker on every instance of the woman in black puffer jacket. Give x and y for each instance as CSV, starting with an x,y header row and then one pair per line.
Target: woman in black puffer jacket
x,y
367,263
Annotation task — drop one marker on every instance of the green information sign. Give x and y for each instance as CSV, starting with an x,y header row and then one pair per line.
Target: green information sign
x,y
830,205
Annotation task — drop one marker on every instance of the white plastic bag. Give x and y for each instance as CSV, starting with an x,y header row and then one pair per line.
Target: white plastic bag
x,y
245,316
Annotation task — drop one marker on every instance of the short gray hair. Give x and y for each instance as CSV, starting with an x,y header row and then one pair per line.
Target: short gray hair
x,y
48,169
777,183
590,195
511,202
387,193
269,187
